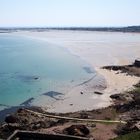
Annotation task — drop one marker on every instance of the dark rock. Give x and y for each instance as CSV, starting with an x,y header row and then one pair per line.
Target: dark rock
x,y
107,118
115,68
130,101
114,96
36,78
137,63
62,121
125,98
98,111
11,119
125,129
81,92
77,130
11,127
128,69
136,98
99,93
84,115
20,110
41,124
124,107
91,124
135,114
14,126
137,125
137,85
117,96
4,128
36,126
24,121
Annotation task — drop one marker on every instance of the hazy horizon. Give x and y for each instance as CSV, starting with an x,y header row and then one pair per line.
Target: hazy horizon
x,y
2,27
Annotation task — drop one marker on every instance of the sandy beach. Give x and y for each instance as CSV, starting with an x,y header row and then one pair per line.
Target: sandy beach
x,y
97,49
74,101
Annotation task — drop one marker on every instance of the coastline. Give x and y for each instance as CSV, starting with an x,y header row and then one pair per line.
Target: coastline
x,y
74,101
82,45
85,101
113,83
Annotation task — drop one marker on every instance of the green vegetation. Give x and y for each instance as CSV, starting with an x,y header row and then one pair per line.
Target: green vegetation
x,y
137,90
114,113
130,136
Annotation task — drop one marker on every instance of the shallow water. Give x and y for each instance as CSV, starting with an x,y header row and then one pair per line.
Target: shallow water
x,y
29,68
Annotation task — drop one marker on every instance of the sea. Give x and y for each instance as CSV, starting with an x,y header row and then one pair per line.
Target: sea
x,y
31,67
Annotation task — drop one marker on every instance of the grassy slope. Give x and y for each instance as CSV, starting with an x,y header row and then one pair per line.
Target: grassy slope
x,y
130,136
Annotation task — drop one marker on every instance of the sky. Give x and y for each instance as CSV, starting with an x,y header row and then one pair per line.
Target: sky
x,y
69,13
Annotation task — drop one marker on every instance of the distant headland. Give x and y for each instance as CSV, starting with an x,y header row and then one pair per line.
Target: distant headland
x,y
40,29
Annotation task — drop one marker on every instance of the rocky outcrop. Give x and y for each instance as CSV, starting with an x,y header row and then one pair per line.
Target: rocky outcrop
x,y
117,97
137,63
77,130
128,128
126,97
127,101
11,119
23,120
133,69
115,68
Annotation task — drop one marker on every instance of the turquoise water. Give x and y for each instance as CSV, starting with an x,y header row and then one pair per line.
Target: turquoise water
x,y
30,67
